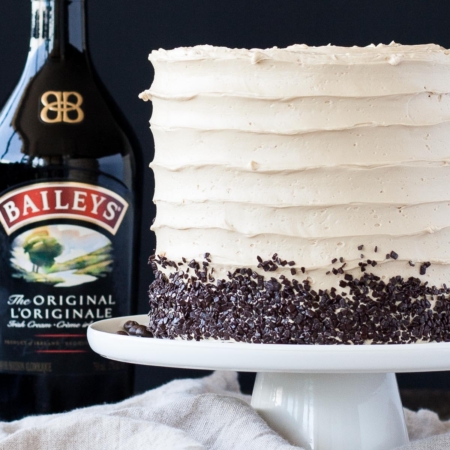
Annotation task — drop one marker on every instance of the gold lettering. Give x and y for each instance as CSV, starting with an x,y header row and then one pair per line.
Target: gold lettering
x,y
72,107
62,107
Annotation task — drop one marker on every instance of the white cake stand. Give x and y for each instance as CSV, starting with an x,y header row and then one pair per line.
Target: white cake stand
x,y
317,397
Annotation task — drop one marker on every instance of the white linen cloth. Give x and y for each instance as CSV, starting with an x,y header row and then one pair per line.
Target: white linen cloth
x,y
193,414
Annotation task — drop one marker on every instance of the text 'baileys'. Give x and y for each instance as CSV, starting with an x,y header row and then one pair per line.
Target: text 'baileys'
x,y
62,200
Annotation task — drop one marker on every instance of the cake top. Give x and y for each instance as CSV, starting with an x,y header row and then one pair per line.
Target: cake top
x,y
301,71
392,53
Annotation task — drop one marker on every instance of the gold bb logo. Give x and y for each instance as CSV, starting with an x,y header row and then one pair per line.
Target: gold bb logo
x,y
62,107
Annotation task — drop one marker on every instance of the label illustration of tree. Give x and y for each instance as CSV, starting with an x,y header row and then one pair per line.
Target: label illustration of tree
x,y
61,255
42,249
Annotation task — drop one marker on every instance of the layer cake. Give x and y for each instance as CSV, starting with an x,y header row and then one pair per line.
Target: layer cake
x,y
303,194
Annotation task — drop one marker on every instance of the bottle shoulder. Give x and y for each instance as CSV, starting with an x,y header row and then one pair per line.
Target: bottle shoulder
x,y
65,109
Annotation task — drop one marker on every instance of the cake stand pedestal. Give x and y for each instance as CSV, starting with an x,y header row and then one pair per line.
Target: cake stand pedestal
x,y
340,397
332,411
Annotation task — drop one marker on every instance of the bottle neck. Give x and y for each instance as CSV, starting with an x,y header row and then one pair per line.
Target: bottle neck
x,y
57,28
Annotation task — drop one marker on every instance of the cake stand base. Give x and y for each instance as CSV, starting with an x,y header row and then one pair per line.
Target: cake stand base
x,y
332,411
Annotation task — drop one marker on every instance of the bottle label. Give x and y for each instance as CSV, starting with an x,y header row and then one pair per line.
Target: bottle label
x,y
64,265
62,200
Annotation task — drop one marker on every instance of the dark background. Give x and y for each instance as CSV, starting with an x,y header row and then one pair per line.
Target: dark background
x,y
123,32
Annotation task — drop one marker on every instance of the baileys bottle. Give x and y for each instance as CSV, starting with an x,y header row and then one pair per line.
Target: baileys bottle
x,y
67,223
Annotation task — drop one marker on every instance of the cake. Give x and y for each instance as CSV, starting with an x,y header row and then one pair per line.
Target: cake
x,y
303,194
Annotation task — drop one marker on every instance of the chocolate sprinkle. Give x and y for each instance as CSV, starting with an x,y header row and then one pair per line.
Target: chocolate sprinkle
x,y
376,249
424,267
130,323
264,310
360,247
394,255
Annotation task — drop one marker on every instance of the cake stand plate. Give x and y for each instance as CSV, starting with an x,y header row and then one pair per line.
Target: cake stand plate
x,y
317,397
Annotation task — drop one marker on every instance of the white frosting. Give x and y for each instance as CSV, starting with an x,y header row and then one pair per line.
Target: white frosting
x,y
392,53
308,152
